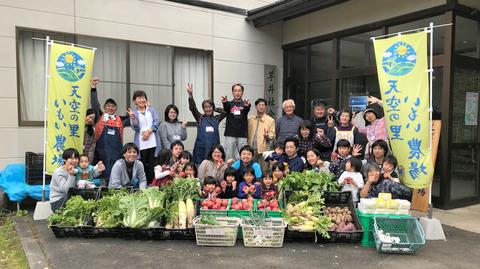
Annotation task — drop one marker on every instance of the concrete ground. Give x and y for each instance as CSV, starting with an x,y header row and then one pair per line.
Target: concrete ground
x,y
45,251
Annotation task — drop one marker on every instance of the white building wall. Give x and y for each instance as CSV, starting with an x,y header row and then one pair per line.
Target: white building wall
x,y
240,51
350,14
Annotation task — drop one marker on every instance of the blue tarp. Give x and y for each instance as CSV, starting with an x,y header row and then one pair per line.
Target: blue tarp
x,y
13,183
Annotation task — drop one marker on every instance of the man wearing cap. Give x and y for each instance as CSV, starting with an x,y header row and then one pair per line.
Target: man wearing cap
x,y
319,121
108,130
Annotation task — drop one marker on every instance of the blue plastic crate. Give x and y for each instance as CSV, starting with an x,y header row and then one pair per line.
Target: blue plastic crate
x,y
408,231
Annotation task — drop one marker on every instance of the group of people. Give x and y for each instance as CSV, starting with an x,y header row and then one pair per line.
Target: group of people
x,y
257,152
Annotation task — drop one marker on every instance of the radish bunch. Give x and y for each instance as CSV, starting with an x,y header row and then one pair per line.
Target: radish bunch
x,y
242,204
271,205
214,204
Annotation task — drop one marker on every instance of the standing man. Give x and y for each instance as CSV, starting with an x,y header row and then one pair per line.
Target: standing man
x,y
237,122
288,124
261,130
320,121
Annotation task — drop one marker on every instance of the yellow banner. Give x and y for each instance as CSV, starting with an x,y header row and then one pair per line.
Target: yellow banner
x,y
70,70
403,78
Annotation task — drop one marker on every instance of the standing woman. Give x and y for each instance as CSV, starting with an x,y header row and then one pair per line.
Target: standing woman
x,y
207,130
144,121
345,130
89,136
108,130
171,130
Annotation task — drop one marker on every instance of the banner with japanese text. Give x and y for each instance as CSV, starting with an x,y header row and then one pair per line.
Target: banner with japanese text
x,y
70,69
403,78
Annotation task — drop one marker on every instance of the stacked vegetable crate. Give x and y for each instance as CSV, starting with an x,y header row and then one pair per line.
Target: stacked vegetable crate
x,y
367,221
263,232
84,230
398,236
343,199
216,231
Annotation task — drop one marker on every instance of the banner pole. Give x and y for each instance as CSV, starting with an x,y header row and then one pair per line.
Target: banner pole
x,y
430,110
47,43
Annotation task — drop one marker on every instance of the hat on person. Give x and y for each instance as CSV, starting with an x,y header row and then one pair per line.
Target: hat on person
x,y
369,109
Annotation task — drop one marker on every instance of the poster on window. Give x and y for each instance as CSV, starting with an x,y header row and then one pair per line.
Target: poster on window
x,y
471,108
271,91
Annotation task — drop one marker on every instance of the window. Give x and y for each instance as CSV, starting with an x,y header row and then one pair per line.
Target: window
x,y
321,59
295,83
438,33
357,50
123,67
31,73
467,37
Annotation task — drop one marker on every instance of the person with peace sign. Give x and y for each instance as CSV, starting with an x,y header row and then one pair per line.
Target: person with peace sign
x,y
237,122
108,130
207,126
145,122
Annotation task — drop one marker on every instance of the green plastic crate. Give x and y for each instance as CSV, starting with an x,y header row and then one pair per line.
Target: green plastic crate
x,y
367,221
408,231
271,214
241,214
216,213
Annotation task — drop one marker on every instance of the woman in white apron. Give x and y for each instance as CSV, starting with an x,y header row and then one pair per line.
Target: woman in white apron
x,y
144,121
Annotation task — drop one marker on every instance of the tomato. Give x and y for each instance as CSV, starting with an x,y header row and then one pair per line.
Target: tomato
x,y
209,204
205,207
246,206
224,202
250,199
269,208
204,203
234,200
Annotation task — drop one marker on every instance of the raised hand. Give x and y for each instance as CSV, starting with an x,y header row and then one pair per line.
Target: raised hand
x,y
223,184
230,162
100,166
94,82
130,113
234,185
224,99
247,103
356,150
190,89
330,122
71,170
320,132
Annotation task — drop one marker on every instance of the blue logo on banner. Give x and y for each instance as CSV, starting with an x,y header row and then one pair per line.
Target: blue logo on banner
x,y
399,59
70,66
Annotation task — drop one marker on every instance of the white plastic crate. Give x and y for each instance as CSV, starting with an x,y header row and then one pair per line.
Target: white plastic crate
x,y
269,236
222,235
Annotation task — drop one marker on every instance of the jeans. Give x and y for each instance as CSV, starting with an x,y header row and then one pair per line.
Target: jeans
x,y
232,147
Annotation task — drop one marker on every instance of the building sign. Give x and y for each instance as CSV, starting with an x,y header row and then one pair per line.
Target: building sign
x,y
271,91
471,108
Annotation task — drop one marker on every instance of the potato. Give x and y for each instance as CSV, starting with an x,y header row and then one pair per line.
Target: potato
x,y
349,218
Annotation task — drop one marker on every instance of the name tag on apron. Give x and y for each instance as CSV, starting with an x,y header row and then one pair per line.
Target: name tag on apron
x,y
111,131
209,129
237,112
176,137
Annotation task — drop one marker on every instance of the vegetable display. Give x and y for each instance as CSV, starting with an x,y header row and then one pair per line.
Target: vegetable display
x,y
242,204
107,213
342,220
215,204
180,208
307,216
271,205
143,208
74,213
311,181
